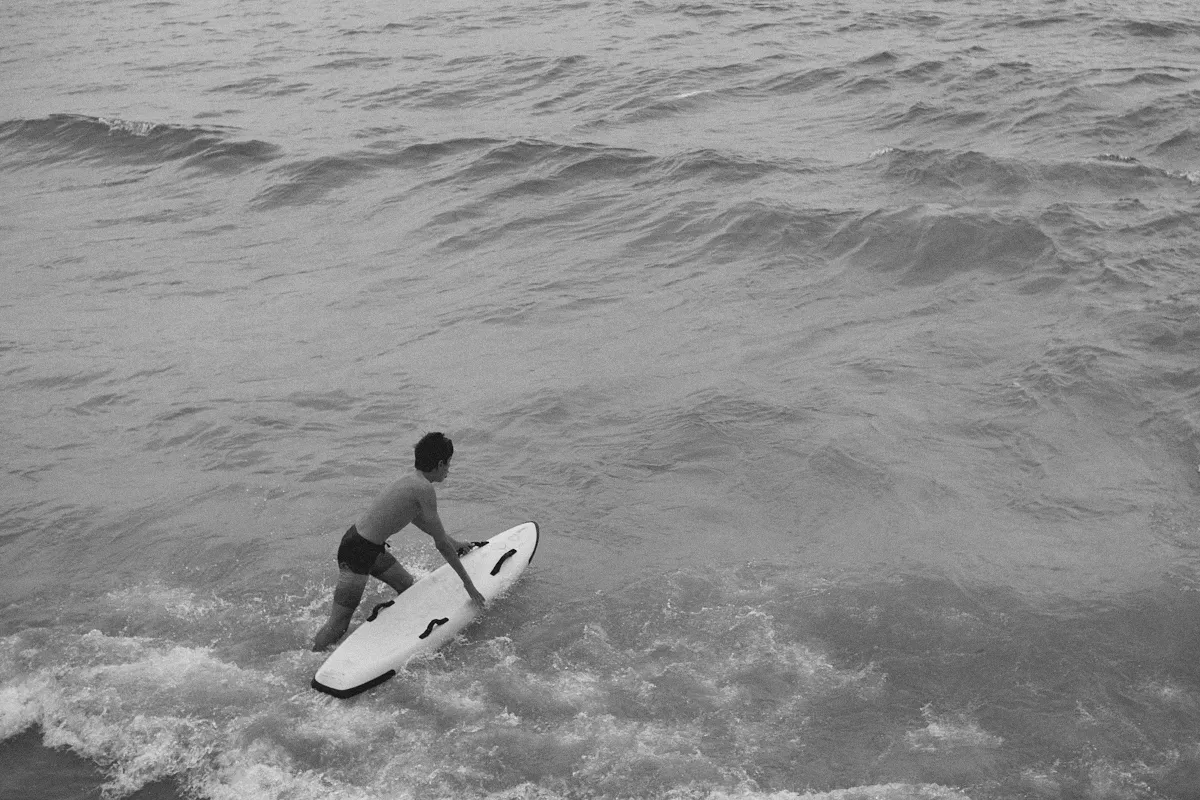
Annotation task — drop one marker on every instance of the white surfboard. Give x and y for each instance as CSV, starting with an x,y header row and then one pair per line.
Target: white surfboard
x,y
424,617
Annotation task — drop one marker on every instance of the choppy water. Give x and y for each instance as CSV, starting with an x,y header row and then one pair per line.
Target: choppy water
x,y
846,353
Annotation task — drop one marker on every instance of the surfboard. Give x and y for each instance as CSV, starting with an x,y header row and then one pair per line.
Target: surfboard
x,y
426,616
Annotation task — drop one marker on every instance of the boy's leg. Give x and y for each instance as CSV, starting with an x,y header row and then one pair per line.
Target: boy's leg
x,y
388,569
346,597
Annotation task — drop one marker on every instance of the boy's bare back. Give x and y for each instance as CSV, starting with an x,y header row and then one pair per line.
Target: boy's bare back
x,y
410,499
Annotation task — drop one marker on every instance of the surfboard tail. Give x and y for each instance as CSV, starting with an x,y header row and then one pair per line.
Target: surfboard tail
x,y
342,694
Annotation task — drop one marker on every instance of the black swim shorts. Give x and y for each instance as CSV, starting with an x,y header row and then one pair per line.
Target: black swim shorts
x,y
362,556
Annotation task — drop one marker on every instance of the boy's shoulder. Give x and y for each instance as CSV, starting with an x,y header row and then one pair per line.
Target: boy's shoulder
x,y
414,485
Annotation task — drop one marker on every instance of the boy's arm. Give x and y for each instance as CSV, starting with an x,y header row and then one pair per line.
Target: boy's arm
x,y
431,523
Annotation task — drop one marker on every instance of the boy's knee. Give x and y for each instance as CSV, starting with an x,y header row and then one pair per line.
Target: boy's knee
x,y
348,595
397,578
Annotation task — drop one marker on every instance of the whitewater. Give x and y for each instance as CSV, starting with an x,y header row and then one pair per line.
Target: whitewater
x,y
845,353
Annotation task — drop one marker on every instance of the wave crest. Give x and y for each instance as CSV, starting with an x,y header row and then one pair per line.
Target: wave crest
x,y
73,138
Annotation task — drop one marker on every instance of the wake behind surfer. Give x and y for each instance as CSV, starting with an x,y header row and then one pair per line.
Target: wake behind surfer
x,y
362,554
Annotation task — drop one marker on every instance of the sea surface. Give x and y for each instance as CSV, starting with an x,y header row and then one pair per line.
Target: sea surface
x,y
847,353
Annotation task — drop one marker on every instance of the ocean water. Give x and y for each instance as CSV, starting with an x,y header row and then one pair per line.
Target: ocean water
x,y
845,351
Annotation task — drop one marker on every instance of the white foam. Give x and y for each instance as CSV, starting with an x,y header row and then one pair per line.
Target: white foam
x,y
141,709
132,127
1170,691
21,705
883,791
264,772
173,601
596,715
943,731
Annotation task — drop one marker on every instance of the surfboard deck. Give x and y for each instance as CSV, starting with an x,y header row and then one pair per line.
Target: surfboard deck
x,y
426,616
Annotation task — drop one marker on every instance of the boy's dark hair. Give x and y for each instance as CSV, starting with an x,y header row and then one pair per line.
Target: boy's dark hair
x,y
432,450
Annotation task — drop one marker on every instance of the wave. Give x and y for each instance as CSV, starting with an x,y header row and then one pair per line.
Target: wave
x,y
953,173
72,138
768,230
494,171
802,81
1077,369
697,684
586,186
506,77
582,186
1183,146
925,245
568,166
262,86
872,74
608,698
1149,28
306,181
1087,22
565,164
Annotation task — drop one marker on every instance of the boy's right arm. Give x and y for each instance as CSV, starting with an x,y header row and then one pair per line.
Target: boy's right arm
x,y
431,523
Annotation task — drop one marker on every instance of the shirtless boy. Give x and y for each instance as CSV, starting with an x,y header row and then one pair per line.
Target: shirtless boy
x,y
410,499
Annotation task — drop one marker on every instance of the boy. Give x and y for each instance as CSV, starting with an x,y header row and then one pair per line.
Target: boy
x,y
362,553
